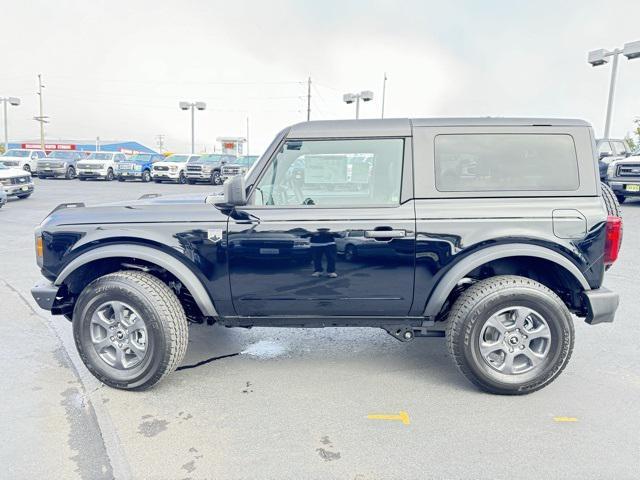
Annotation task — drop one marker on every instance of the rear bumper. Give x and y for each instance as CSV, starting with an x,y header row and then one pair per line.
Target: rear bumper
x,y
602,304
45,295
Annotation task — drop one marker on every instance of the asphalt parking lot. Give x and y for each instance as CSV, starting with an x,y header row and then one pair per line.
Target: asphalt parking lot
x,y
295,403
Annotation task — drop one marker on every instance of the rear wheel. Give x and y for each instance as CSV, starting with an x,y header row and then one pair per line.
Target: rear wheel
x,y
120,178
510,335
130,329
611,201
157,181
41,177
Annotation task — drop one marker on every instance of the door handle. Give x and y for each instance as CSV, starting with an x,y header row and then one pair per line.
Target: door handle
x,y
385,234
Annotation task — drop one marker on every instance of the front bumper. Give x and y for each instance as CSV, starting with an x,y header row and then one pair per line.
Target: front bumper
x,y
15,190
622,188
602,304
164,175
199,176
129,174
45,295
52,172
92,173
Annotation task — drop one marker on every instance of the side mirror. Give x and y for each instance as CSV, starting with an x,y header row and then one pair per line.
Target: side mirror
x,y
235,192
604,155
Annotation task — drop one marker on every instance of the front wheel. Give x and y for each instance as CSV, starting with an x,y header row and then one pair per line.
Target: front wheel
x,y
146,176
130,329
70,173
182,179
110,175
26,195
216,179
27,167
120,178
510,335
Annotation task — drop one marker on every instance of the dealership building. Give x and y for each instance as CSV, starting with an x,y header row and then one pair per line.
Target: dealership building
x,y
126,147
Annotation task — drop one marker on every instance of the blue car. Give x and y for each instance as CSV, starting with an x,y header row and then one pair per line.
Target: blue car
x,y
138,166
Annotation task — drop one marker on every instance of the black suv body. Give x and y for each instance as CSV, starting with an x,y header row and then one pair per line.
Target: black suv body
x,y
493,232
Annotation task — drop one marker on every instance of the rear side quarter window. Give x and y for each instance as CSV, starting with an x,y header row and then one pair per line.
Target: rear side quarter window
x,y
486,162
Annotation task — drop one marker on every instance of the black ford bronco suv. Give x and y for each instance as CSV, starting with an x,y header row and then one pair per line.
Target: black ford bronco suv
x,y
495,233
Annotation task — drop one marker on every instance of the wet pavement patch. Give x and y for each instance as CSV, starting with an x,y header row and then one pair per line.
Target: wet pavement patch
x,y
325,454
151,428
85,437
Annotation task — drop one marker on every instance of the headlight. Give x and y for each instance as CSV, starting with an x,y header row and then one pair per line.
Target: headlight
x,y
207,169
611,170
173,168
5,181
137,168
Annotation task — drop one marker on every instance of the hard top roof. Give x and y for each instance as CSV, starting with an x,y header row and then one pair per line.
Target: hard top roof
x,y
402,126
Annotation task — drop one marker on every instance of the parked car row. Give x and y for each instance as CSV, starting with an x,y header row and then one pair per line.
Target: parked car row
x,y
213,168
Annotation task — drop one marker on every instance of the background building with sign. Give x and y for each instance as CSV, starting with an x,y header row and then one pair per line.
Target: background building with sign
x,y
127,147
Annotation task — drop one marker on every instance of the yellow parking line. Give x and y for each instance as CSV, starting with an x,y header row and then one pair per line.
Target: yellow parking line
x,y
400,416
565,419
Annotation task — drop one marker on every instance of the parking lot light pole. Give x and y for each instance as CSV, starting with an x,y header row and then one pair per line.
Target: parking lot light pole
x,y
365,95
601,57
5,119
193,106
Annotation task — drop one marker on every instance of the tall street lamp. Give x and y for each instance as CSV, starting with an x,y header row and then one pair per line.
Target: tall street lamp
x,y
12,101
601,57
193,106
365,96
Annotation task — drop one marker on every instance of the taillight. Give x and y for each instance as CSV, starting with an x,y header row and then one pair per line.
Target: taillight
x,y
613,239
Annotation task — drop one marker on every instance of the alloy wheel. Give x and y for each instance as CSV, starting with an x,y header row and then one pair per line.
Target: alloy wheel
x,y
119,335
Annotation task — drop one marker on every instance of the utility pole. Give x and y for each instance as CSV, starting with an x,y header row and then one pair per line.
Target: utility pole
x,y
97,144
384,91
308,99
160,141
41,118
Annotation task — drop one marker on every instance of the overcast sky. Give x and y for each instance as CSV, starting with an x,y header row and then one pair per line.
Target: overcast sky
x,y
117,69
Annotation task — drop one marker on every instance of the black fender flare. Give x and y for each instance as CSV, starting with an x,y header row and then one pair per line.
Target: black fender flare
x,y
449,281
152,255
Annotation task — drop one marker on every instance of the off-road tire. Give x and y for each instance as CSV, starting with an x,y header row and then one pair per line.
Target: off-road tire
x,y
162,313
611,200
476,305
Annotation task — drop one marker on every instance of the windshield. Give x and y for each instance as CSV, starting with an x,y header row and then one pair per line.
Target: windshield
x,y
140,157
177,158
64,155
246,161
100,156
17,153
211,158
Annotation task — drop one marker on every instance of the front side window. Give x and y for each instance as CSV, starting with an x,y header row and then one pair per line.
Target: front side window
x,y
505,162
364,172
